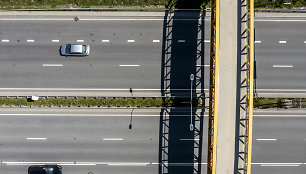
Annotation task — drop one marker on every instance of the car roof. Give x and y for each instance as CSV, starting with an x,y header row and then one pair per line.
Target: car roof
x,y
76,49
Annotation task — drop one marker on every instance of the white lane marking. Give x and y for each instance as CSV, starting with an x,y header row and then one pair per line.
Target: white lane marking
x,y
129,65
93,89
30,40
36,138
207,41
139,19
282,41
80,40
52,65
282,66
55,40
156,41
257,41
35,19
105,40
267,139
304,41
78,164
181,41
280,165
288,90
279,20
132,19
204,65
135,163
130,40
137,115
95,19
128,164
182,139
112,139
5,40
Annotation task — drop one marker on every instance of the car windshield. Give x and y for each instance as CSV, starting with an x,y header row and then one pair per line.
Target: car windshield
x,y
38,172
68,48
83,49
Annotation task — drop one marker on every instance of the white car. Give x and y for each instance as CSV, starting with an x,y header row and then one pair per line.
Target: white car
x,y
75,50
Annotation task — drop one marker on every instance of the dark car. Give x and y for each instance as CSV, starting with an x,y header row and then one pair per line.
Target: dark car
x,y
47,169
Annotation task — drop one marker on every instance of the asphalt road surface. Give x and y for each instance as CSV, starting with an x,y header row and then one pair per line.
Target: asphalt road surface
x,y
101,142
128,52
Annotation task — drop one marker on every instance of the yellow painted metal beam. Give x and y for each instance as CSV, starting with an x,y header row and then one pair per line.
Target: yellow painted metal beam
x,y
250,121
216,86
213,89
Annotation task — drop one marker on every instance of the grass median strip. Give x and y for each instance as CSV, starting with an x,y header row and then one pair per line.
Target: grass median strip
x,y
97,102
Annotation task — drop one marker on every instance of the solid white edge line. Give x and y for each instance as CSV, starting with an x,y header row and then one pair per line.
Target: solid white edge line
x,y
181,41
282,66
78,164
128,164
280,20
282,41
136,115
55,40
105,41
129,65
287,165
36,138
30,40
46,65
5,40
144,19
257,41
130,41
156,41
112,139
80,40
267,139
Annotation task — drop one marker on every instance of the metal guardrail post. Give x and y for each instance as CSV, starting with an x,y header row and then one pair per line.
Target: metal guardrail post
x,y
213,88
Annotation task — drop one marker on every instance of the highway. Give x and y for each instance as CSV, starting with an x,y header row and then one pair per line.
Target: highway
x,y
127,52
100,141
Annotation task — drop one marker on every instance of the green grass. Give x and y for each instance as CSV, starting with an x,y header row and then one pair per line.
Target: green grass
x,y
264,103
45,4
98,102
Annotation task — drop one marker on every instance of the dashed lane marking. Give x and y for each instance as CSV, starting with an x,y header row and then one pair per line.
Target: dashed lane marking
x,y
36,138
282,66
129,65
46,65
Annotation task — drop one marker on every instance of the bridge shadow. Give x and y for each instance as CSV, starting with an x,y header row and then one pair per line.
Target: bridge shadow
x,y
180,149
